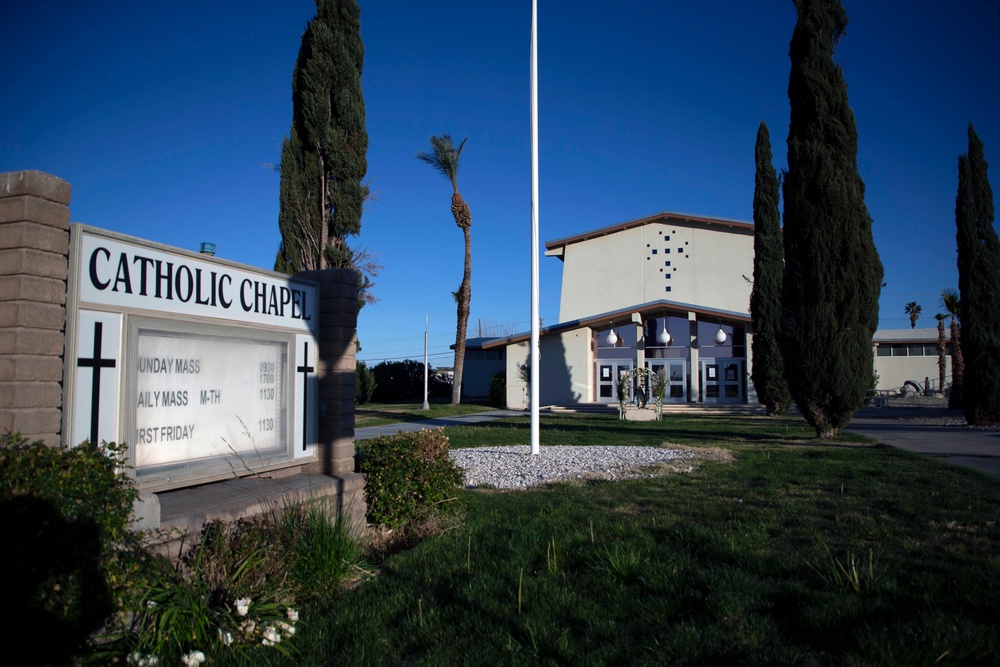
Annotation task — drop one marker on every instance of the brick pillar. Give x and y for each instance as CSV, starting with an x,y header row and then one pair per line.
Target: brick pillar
x,y
34,247
338,321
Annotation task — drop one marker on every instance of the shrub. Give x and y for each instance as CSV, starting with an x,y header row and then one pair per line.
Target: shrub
x,y
68,551
399,380
364,383
181,620
324,552
409,476
498,390
233,593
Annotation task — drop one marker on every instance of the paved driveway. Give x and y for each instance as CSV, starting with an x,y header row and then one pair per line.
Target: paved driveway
x,y
921,431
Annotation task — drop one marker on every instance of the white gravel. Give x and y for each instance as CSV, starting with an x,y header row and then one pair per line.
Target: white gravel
x,y
514,467
957,422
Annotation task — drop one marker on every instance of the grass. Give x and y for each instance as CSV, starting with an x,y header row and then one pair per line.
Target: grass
x,y
796,553
379,414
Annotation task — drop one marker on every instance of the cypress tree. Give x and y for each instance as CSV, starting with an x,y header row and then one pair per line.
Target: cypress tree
x,y
833,274
979,286
768,374
323,159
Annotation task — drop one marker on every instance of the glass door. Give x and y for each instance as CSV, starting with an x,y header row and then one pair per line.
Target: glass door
x,y
675,372
608,373
722,380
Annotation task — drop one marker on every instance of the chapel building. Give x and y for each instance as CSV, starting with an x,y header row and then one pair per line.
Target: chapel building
x,y
669,292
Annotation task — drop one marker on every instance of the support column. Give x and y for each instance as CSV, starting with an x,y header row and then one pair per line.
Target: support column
x,y
694,364
34,250
335,370
640,341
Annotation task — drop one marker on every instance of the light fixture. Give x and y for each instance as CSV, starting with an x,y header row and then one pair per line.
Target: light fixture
x,y
612,337
664,336
720,336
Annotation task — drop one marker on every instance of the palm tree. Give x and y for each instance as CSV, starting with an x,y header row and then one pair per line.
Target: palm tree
x,y
444,158
913,310
950,302
941,349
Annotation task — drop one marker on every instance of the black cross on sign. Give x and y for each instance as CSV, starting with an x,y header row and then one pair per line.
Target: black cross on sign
x,y
305,369
97,363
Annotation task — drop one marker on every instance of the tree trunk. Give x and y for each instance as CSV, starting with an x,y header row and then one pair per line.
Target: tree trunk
x,y
324,227
957,367
941,357
464,299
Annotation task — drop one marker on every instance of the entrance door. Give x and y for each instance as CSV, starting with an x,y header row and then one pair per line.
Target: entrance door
x,y
722,380
608,373
675,371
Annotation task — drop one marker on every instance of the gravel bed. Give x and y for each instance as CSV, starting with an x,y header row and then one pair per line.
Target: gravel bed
x,y
949,420
514,467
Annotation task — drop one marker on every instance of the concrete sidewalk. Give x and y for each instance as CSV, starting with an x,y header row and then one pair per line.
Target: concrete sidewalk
x,y
904,428
408,427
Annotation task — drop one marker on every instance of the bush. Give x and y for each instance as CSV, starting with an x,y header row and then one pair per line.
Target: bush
x,y
364,383
399,380
409,476
498,390
233,593
68,551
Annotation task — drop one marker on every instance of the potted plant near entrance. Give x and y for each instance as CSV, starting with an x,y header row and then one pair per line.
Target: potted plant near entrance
x,y
659,391
622,386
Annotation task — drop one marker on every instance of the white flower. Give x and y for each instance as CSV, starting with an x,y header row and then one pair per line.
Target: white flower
x,y
193,659
287,628
242,606
248,626
150,604
293,615
271,635
225,637
141,660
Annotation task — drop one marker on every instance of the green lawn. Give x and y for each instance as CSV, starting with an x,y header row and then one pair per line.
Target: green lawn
x,y
379,414
796,553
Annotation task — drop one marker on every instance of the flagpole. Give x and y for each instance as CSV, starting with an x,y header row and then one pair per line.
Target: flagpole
x,y
427,406
535,366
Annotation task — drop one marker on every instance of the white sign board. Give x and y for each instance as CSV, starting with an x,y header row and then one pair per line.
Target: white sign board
x,y
123,274
203,367
200,396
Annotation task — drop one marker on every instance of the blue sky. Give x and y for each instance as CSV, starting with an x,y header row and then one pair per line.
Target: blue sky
x,y
164,118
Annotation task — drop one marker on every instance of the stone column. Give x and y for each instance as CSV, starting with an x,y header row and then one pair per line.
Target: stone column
x,y
335,367
34,250
694,362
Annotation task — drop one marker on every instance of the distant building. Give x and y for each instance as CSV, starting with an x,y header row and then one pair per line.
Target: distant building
x,y
911,355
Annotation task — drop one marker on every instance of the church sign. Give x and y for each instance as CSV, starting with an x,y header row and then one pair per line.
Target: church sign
x,y
203,367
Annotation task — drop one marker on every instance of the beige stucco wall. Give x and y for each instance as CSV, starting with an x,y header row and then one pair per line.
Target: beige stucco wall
x,y
707,265
894,371
567,370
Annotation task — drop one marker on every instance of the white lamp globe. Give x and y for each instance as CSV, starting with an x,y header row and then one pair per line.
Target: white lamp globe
x,y
612,338
720,336
664,336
